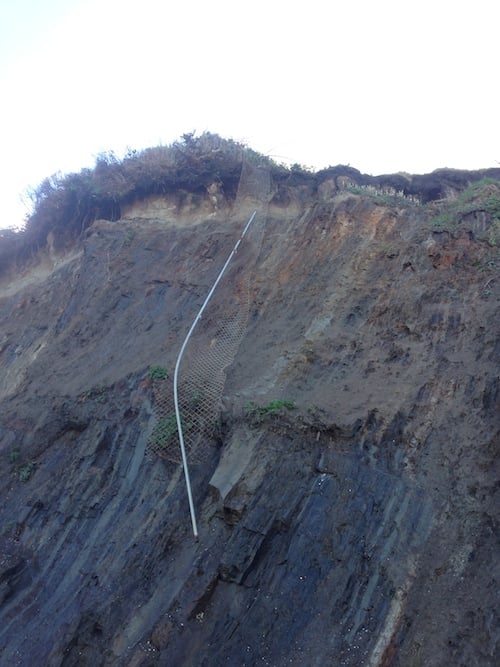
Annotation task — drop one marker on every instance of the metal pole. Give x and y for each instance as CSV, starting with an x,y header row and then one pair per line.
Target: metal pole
x,y
176,375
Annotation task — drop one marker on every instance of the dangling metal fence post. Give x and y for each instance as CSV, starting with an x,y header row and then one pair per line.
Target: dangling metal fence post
x,y
176,374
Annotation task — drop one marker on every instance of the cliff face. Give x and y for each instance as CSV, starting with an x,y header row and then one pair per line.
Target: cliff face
x,y
354,524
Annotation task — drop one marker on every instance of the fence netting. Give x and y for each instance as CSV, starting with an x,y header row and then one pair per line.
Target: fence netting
x,y
216,338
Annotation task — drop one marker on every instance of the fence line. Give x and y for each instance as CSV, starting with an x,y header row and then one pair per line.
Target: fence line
x,y
178,415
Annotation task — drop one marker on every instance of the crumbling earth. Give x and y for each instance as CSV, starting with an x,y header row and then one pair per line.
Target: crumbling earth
x,y
358,528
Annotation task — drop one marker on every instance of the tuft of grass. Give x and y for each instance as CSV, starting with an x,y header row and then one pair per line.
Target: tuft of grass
x,y
158,373
25,472
272,409
129,236
96,393
14,455
21,469
166,429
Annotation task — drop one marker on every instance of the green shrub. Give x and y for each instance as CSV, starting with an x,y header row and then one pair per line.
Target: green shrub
x,y
158,373
25,472
484,195
96,393
272,409
66,204
20,468
165,431
14,455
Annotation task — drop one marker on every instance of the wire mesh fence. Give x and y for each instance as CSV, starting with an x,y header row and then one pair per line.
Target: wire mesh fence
x,y
211,351
212,346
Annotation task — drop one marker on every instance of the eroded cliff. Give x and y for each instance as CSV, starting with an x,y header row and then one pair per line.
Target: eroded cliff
x,y
357,526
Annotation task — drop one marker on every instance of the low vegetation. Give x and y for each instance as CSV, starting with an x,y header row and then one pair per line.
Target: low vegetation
x,y
158,373
22,470
258,413
166,430
65,205
482,196
96,393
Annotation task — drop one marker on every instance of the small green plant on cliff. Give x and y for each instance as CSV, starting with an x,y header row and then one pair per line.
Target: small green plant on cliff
x,y
96,393
166,429
14,455
158,373
25,472
275,407
129,236
445,222
21,469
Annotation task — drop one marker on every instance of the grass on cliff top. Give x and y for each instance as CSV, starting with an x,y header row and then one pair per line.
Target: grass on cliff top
x,y
68,203
484,195
65,205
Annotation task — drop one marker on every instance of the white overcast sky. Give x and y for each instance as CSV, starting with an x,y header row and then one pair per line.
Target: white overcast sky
x,y
382,85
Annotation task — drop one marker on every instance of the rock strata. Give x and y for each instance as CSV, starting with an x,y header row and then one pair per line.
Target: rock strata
x,y
358,527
